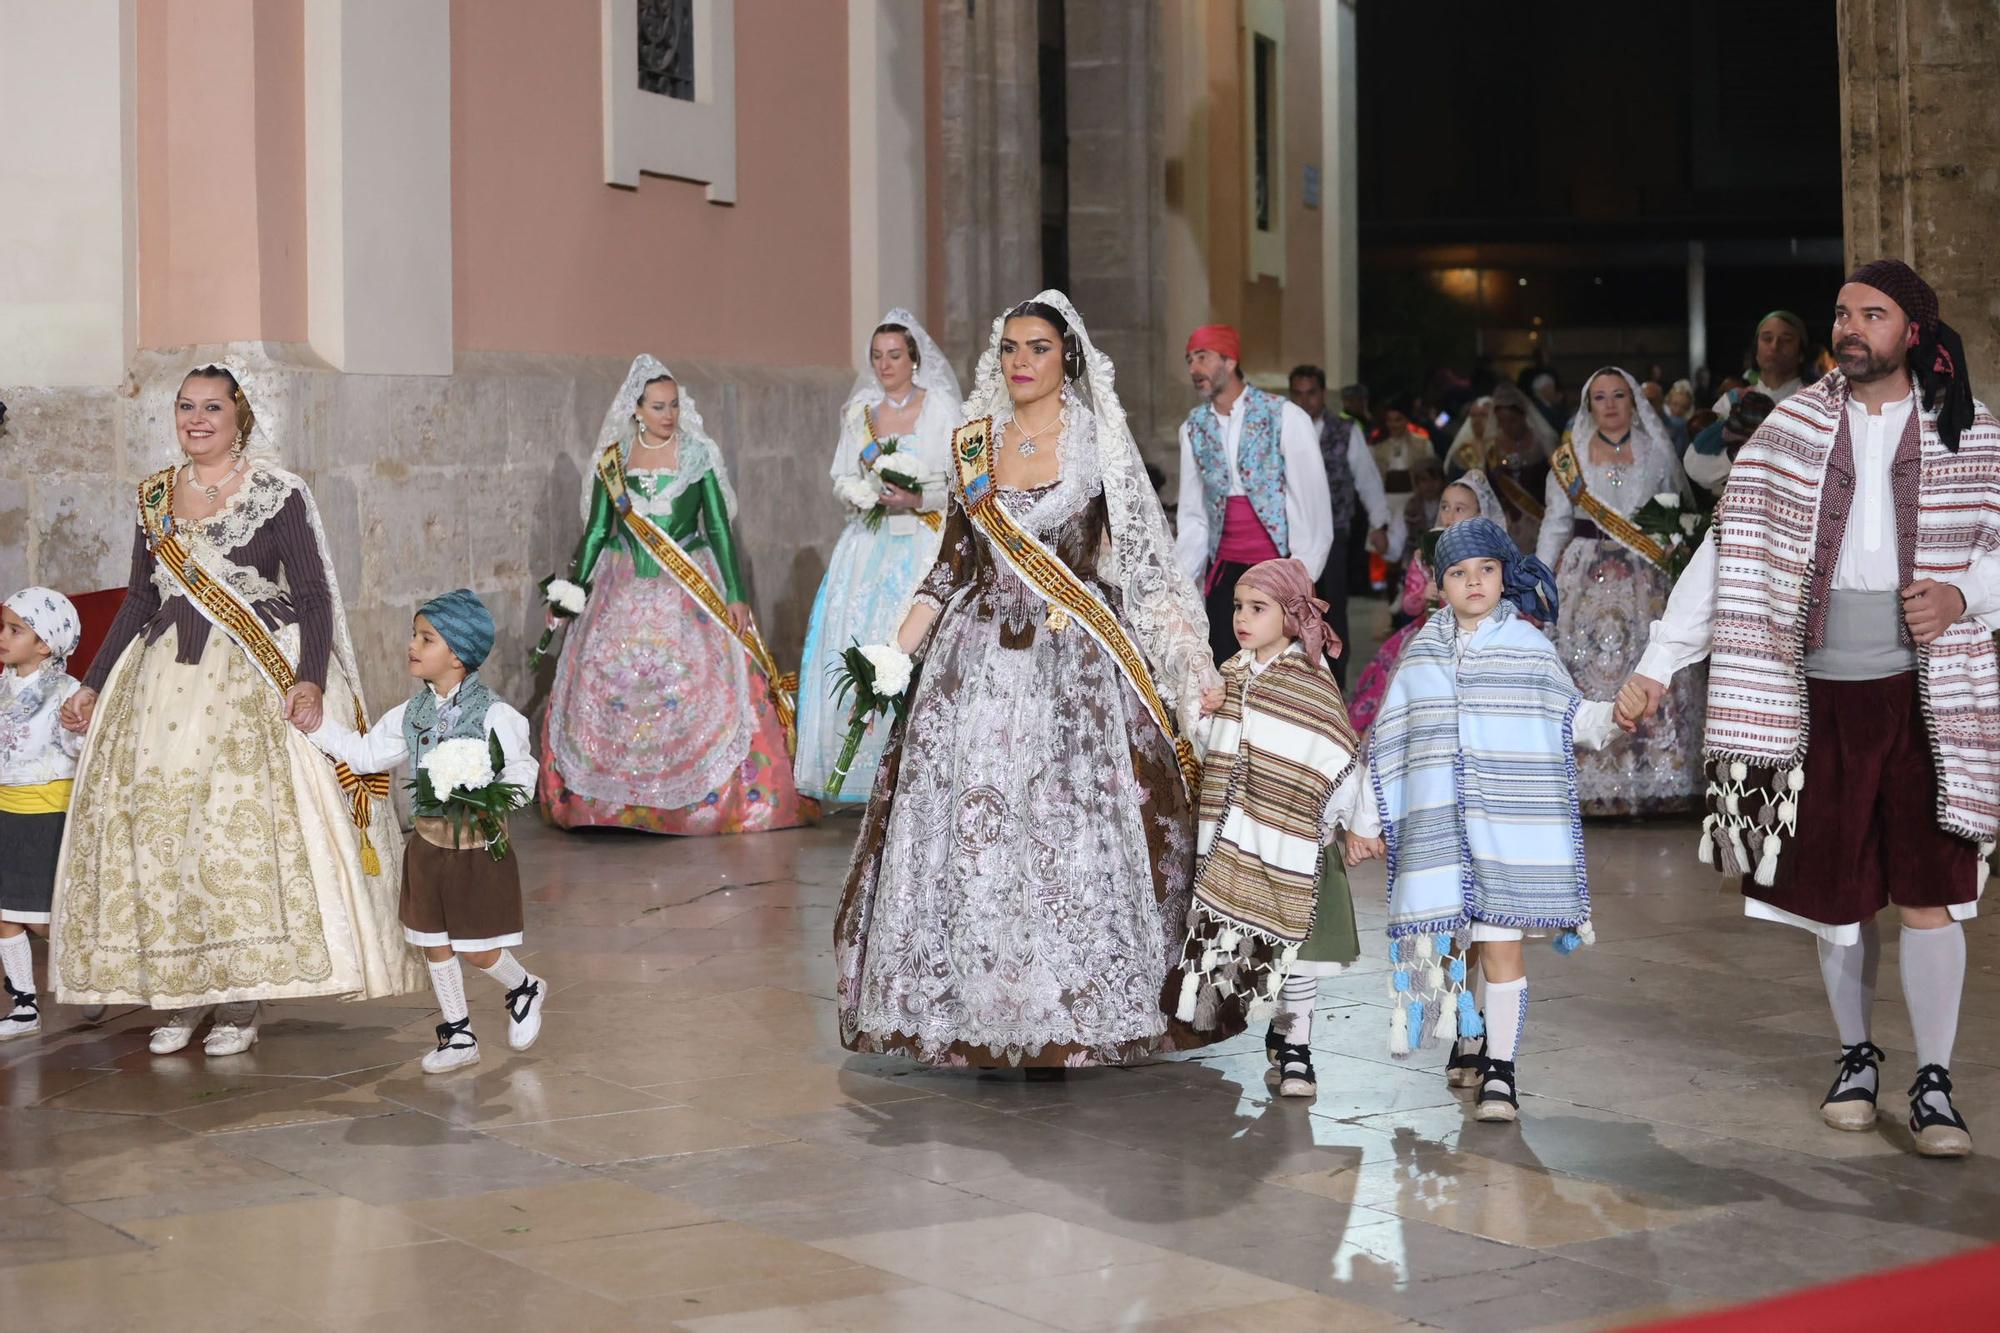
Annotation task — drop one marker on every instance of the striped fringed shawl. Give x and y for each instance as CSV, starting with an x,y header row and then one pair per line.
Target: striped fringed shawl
x,y
1474,766
1475,776
1766,533
1279,746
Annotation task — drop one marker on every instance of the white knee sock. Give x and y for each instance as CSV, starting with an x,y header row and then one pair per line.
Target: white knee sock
x,y
1297,1001
19,961
449,983
507,970
1506,1015
1933,966
1849,973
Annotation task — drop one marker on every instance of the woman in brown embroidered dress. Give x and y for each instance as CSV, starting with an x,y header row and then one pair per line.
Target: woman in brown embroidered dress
x,y
212,856
1022,879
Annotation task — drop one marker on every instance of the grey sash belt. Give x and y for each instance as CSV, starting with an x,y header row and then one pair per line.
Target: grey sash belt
x,y
1862,639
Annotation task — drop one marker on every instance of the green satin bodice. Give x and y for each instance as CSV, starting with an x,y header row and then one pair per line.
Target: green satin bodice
x,y
697,519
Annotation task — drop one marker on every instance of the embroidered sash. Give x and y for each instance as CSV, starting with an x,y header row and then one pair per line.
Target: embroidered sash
x,y
872,450
222,608
1569,471
1044,571
668,552
1512,491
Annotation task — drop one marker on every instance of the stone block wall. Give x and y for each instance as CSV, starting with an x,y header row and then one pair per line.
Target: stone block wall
x,y
1921,155
426,483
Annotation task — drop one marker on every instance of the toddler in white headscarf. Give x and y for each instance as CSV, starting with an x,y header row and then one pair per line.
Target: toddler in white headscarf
x,y
39,629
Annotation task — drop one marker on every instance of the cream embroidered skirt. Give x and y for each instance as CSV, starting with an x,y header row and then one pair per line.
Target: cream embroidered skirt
x,y
210,854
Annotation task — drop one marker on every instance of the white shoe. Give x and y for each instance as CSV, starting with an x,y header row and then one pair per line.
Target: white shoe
x,y
524,1012
92,1014
456,1048
174,1034
230,1039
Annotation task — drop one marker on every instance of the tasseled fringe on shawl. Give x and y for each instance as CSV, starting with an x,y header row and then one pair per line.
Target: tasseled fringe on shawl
x,y
1223,960
1753,815
1430,991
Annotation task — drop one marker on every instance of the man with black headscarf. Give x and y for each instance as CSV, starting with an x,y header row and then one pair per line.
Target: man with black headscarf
x,y
1847,597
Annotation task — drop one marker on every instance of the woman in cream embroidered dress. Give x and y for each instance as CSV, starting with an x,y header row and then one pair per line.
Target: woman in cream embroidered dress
x,y
1610,595
1022,879
905,390
656,719
211,855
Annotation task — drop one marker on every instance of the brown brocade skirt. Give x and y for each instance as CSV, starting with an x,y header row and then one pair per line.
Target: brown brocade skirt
x,y
462,898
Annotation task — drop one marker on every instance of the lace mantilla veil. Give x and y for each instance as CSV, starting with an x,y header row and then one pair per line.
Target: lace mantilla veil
x,y
934,376
698,453
264,490
1160,602
1647,429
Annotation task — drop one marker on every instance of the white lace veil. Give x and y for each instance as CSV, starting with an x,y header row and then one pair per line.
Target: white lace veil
x,y
1506,394
934,376
262,454
1649,432
1160,602
698,454
1475,481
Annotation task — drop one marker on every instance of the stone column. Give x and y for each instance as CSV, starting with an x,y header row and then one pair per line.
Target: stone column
x,y
885,164
991,190
1920,162
1117,191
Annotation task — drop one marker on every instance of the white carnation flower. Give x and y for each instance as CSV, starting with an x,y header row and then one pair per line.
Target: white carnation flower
x,y
1689,522
566,596
892,668
1669,499
464,764
860,493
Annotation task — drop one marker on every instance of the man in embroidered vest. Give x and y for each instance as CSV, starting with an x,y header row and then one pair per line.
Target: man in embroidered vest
x,y
1847,598
1354,485
1253,487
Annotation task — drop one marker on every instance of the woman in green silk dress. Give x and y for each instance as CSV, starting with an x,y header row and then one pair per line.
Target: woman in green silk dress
x,y
658,720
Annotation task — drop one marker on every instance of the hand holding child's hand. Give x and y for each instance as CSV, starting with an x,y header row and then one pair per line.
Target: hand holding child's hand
x,y
1211,700
1361,849
1638,699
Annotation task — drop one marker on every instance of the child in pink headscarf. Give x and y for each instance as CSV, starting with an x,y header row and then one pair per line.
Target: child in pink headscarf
x,y
1271,912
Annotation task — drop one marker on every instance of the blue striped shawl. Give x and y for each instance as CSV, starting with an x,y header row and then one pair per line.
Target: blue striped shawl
x,y
1475,776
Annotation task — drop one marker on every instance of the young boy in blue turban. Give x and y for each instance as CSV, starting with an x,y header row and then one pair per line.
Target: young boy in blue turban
x,y
457,899
1473,764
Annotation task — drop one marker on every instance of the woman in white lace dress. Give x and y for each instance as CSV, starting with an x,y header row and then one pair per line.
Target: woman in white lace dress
x,y
213,855
1022,878
905,394
1611,593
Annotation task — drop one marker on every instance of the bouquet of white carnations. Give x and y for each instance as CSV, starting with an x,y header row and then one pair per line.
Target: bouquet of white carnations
x,y
891,468
1678,531
878,678
564,601
461,781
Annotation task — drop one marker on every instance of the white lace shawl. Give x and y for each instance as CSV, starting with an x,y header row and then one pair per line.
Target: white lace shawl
x,y
1161,604
698,455
936,420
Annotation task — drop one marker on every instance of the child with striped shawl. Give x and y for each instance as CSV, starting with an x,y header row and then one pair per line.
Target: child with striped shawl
x,y
1271,911
1472,763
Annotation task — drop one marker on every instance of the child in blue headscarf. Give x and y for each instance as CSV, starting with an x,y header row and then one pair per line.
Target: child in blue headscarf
x,y
457,898
1473,765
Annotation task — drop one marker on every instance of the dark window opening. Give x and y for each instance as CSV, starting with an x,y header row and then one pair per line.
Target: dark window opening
x,y
1263,95
1053,94
666,48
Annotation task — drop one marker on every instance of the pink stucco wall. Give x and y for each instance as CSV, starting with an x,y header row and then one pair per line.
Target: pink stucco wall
x,y
221,171
547,257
